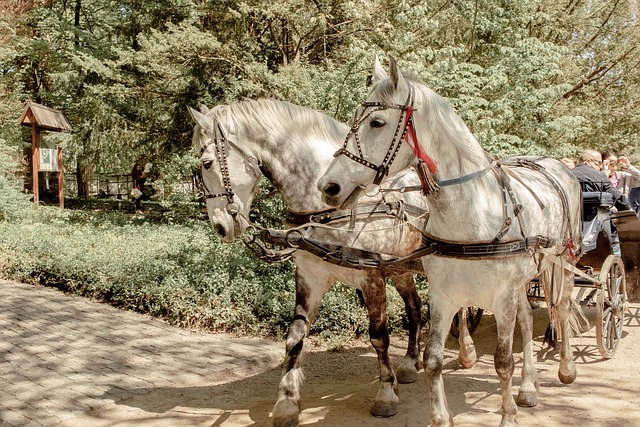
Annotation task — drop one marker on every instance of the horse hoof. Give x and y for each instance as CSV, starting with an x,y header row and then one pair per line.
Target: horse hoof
x,y
467,363
285,413
385,409
527,399
406,374
566,379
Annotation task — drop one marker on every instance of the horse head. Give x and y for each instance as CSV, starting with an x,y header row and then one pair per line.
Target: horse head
x,y
373,148
230,176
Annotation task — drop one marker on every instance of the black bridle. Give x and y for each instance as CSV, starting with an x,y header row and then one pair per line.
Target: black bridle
x,y
221,142
405,124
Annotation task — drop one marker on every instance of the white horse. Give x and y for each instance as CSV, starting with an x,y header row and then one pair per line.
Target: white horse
x,y
493,226
292,146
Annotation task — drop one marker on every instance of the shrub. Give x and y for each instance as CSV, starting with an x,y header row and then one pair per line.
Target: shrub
x,y
176,270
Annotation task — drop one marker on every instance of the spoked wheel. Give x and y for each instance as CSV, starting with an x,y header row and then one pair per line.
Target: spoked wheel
x,y
611,301
474,315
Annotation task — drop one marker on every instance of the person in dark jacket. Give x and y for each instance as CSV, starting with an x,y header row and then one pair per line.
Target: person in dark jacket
x,y
589,173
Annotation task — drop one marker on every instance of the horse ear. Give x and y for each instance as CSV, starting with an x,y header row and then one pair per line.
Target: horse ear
x,y
378,72
396,75
204,109
199,118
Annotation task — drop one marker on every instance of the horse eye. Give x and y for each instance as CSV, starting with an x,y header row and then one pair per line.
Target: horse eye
x,y
377,123
207,164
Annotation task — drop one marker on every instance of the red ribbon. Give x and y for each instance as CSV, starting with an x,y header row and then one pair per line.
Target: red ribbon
x,y
572,252
417,150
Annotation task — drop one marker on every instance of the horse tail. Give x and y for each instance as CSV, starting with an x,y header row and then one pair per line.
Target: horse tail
x,y
558,292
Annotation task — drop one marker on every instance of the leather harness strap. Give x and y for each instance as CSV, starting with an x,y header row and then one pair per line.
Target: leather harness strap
x,y
396,209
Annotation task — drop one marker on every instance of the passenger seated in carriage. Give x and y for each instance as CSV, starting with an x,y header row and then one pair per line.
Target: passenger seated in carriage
x,y
592,179
598,193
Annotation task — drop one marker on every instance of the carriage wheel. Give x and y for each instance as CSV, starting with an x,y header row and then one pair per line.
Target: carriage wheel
x,y
610,303
474,315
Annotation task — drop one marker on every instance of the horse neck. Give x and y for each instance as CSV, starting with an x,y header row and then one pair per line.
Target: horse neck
x,y
475,206
292,159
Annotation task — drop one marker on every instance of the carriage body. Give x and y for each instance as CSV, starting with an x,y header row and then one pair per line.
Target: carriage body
x,y
600,279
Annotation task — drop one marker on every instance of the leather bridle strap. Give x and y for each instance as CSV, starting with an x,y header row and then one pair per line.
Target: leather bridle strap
x,y
220,141
404,122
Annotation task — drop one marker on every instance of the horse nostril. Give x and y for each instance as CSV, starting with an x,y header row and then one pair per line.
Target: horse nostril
x,y
331,189
220,230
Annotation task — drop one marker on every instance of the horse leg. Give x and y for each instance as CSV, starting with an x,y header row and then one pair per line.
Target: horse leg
x,y
375,295
503,359
528,393
442,312
407,371
567,372
467,352
308,297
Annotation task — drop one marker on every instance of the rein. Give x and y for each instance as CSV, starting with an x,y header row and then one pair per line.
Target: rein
x,y
300,237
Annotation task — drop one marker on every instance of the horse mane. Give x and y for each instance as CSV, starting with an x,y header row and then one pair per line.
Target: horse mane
x,y
278,117
443,124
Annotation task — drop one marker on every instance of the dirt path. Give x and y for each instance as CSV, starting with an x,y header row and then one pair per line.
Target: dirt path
x,y
340,387
67,361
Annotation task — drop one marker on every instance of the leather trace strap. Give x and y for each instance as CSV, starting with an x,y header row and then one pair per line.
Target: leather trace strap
x,y
528,245
345,256
396,209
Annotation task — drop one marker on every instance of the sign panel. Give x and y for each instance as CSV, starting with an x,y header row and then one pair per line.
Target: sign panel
x,y
49,159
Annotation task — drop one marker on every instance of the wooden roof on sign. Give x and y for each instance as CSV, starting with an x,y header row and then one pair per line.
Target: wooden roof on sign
x,y
44,117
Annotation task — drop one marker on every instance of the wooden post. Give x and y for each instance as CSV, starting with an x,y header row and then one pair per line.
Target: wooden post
x,y
35,155
60,179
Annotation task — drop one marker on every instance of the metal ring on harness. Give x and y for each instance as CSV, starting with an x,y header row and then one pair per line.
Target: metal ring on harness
x,y
288,238
372,190
233,208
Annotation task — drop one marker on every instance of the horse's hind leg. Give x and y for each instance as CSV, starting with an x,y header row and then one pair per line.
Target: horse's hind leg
x,y
567,372
555,280
375,295
467,350
528,393
503,359
308,297
407,372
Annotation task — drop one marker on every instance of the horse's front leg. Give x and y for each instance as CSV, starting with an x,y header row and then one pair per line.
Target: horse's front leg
x,y
441,312
375,296
528,393
309,294
407,371
503,358
467,350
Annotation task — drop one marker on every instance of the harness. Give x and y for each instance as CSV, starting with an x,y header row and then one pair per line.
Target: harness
x,y
398,210
501,170
221,141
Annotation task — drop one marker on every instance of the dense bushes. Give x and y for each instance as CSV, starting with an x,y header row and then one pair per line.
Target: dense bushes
x,y
172,267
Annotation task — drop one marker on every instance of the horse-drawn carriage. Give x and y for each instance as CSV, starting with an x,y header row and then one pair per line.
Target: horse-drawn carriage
x,y
600,272
538,196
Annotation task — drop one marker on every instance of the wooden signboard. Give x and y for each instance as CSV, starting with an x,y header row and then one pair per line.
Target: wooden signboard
x,y
46,159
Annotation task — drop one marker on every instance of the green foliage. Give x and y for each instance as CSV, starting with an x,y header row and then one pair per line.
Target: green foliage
x,y
178,271
13,204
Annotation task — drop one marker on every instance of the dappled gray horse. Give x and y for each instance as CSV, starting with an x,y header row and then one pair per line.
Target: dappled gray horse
x,y
292,146
493,226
